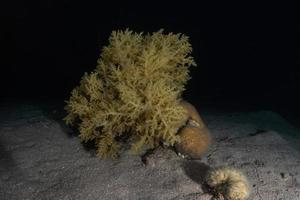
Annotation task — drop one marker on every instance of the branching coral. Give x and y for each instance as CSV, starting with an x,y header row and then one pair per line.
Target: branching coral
x,y
135,90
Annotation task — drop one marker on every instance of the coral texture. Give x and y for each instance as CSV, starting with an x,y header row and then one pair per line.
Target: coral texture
x,y
134,92
192,113
195,138
228,183
194,142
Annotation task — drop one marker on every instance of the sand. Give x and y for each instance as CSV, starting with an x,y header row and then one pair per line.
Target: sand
x,y
41,158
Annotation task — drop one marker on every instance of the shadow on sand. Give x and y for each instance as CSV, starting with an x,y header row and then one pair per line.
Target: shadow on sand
x,y
197,172
54,111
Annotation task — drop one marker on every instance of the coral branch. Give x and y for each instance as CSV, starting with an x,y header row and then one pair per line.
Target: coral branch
x,y
136,87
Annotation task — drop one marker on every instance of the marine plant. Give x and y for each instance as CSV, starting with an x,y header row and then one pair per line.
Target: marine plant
x,y
134,92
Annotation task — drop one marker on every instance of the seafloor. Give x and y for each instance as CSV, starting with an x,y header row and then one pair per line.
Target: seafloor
x,y
40,158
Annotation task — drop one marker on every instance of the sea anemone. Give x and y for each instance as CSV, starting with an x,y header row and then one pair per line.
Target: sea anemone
x,y
228,183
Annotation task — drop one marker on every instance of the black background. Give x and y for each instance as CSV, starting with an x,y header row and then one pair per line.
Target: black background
x,y
243,55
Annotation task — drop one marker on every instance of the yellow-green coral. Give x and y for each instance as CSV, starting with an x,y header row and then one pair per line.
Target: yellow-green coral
x,y
134,90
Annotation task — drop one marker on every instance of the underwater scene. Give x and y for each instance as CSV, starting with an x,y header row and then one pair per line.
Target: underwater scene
x,y
119,103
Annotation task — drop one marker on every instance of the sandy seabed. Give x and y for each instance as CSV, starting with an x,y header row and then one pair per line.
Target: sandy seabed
x,y
41,159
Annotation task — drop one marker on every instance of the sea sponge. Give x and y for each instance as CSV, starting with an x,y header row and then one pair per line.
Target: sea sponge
x,y
134,92
195,138
192,113
228,183
194,142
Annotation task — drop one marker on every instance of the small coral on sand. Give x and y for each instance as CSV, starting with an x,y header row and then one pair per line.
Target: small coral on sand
x,y
194,142
195,138
229,184
134,92
193,113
